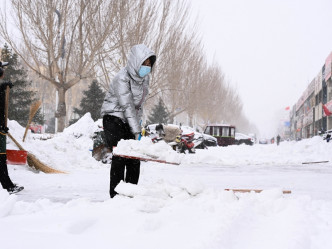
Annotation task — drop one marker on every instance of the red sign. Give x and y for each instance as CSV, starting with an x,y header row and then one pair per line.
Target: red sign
x,y
328,108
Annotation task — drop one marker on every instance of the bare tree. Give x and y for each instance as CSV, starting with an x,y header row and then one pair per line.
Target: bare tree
x,y
60,40
158,24
175,73
135,24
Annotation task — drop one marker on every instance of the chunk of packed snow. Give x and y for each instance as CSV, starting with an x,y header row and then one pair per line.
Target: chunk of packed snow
x,y
146,148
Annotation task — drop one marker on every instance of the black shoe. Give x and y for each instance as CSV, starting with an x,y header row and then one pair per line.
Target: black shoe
x,y
113,193
15,189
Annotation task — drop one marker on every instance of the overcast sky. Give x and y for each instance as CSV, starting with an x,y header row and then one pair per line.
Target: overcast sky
x,y
270,50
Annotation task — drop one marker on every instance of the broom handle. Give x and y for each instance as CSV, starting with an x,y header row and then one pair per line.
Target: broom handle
x,y
33,110
26,131
27,127
6,105
14,140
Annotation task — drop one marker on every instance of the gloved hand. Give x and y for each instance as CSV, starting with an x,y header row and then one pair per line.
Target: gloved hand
x,y
5,84
137,136
4,129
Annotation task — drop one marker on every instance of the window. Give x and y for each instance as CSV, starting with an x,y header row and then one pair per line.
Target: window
x,y
216,131
225,131
232,132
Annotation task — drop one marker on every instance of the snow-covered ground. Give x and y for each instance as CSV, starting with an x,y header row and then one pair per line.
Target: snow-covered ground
x,y
173,206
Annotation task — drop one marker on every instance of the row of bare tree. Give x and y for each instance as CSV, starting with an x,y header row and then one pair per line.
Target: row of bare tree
x,y
66,41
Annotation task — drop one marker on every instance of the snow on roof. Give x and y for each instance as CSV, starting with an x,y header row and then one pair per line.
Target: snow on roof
x,y
221,125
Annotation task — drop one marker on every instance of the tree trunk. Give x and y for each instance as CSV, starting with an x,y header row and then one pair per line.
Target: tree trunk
x,y
191,117
60,113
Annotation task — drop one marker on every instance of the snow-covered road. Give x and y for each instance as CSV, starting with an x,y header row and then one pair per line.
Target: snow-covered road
x,y
313,180
173,207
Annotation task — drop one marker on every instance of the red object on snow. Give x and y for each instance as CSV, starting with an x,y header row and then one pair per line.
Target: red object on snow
x,y
36,128
326,111
287,108
18,157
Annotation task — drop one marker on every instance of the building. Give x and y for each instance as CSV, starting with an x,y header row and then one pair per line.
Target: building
x,y
307,116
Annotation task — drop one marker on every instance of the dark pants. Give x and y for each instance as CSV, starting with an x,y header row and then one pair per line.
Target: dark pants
x,y
115,130
4,177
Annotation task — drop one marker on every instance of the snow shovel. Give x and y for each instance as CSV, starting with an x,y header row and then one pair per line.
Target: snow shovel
x,y
146,159
17,157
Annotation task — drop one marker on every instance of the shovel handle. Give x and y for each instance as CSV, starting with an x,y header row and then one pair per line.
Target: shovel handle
x,y
6,105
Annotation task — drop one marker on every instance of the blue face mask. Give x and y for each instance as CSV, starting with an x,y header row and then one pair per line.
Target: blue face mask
x,y
143,71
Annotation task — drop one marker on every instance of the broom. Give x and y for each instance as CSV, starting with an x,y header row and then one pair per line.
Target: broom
x,y
32,160
33,110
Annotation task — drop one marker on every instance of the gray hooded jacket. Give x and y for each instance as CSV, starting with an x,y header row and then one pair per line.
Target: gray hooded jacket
x,y
128,91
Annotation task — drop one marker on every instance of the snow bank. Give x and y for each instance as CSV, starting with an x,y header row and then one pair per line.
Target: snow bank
x,y
287,153
66,151
72,149
293,153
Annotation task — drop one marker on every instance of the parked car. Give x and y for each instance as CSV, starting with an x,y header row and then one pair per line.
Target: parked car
x,y
253,136
243,139
209,140
263,141
200,140
225,134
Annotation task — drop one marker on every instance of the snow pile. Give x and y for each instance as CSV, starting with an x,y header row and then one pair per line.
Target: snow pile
x,y
7,203
66,151
17,131
85,126
162,189
293,153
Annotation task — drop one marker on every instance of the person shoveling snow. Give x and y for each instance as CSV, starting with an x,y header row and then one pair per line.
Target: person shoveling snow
x,y
122,110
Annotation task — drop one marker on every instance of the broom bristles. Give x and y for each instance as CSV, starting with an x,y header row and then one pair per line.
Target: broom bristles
x,y
33,110
34,162
37,164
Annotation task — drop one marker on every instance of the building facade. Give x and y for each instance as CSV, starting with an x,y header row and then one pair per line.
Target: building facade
x,y
307,117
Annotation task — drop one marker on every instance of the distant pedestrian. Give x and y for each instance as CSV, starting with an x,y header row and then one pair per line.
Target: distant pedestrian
x,y
328,137
4,177
278,140
122,111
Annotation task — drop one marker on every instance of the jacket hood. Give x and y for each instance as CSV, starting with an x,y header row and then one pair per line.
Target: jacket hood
x,y
137,55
